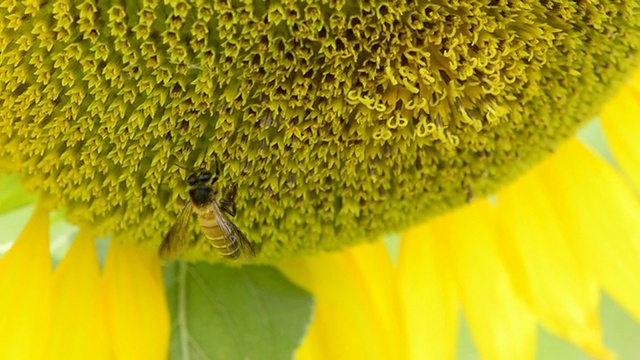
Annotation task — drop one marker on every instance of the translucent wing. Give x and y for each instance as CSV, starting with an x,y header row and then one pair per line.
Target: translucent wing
x,y
178,237
239,245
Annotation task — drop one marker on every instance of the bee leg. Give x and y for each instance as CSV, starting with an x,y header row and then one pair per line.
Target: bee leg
x,y
217,174
228,204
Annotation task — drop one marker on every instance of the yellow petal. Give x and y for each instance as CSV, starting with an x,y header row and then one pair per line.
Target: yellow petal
x,y
136,304
78,320
619,119
427,292
564,295
459,248
25,291
502,325
603,214
356,313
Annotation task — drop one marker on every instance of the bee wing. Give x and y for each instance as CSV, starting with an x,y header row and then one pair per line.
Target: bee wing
x,y
244,245
233,235
178,237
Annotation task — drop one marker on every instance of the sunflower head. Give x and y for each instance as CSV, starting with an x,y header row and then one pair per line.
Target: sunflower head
x,y
336,122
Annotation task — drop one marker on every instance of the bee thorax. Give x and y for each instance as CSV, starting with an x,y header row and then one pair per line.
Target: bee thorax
x,y
201,195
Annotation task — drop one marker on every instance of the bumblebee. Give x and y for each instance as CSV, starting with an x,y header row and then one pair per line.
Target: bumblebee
x,y
213,217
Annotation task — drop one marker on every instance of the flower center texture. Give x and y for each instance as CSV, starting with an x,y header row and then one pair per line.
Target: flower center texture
x,y
337,121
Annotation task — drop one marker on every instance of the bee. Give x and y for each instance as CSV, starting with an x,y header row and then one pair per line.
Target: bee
x,y
213,218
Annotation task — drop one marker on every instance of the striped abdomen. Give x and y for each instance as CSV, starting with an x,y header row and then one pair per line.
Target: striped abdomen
x,y
210,220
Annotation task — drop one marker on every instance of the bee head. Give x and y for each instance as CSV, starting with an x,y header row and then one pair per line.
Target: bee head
x,y
200,177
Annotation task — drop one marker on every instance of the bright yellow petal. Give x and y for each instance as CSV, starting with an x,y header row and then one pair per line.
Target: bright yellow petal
x,y
25,291
564,295
619,119
502,325
79,321
603,214
356,313
427,292
136,304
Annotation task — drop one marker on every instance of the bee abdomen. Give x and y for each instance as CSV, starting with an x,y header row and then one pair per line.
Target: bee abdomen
x,y
227,247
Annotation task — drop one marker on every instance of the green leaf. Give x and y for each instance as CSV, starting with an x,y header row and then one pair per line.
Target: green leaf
x,y
12,223
61,236
220,312
593,136
392,243
12,195
61,232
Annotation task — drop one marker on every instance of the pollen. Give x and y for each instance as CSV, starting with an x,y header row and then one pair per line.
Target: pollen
x,y
338,121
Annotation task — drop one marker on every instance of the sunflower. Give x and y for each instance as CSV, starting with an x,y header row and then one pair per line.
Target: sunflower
x,y
336,123
539,255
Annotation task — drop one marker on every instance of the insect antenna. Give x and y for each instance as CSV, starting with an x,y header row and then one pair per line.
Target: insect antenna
x,y
182,167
